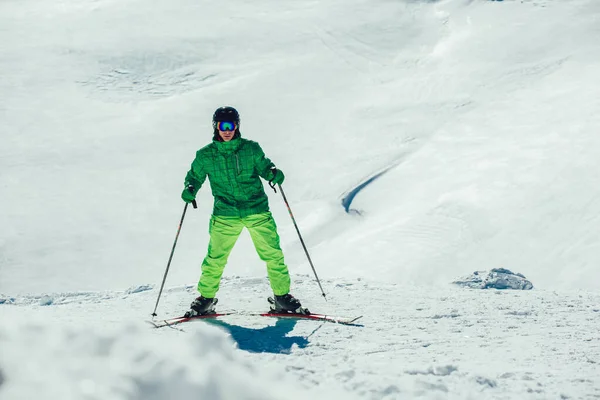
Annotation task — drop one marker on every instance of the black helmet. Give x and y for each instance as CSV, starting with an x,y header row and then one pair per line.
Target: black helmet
x,y
228,114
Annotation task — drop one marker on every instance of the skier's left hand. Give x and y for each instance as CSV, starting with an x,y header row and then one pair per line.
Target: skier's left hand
x,y
278,177
188,194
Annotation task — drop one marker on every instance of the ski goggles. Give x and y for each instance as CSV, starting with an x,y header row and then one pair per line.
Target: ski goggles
x,y
226,126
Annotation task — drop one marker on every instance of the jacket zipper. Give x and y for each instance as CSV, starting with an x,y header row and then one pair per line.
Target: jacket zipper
x,y
237,164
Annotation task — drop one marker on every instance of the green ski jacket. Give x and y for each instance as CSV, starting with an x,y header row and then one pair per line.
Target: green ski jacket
x,y
233,169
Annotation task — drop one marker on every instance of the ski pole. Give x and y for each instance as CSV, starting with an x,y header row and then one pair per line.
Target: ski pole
x,y
171,256
300,236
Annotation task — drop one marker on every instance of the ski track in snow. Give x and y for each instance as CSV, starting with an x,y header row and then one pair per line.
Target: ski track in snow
x,y
447,343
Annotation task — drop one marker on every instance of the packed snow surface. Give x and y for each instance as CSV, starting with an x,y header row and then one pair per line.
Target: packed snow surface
x,y
421,141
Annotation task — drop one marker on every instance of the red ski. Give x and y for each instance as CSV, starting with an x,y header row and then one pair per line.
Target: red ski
x,y
179,320
302,313
313,317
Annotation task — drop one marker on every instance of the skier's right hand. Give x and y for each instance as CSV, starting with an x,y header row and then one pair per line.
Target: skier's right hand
x,y
188,194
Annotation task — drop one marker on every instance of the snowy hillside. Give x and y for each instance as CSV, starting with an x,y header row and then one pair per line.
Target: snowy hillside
x,y
127,361
414,343
479,120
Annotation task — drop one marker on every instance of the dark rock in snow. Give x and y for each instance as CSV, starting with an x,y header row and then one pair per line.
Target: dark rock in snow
x,y
497,278
46,300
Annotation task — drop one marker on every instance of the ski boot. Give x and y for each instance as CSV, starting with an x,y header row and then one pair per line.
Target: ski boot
x,y
286,304
201,306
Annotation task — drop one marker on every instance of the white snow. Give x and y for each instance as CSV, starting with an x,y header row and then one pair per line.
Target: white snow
x,y
128,361
483,116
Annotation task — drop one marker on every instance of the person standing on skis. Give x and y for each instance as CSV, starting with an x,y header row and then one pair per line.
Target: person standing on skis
x,y
234,166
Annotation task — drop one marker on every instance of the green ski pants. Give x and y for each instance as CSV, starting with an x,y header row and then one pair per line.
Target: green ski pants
x,y
224,232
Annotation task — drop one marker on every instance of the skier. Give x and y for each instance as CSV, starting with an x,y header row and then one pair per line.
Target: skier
x,y
234,167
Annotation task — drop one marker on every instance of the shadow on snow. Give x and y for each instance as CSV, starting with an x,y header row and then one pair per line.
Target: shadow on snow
x,y
270,339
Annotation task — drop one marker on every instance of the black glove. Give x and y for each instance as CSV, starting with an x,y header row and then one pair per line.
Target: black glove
x,y
278,177
189,194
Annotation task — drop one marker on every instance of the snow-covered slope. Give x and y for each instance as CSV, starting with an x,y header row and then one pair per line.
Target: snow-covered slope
x,y
445,344
509,180
486,112
483,116
98,360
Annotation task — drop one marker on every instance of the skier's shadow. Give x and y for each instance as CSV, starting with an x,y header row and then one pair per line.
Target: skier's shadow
x,y
270,339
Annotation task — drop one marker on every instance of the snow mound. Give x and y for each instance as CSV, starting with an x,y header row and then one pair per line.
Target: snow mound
x,y
131,362
497,278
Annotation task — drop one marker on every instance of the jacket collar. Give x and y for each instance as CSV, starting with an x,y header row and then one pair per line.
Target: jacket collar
x,y
228,147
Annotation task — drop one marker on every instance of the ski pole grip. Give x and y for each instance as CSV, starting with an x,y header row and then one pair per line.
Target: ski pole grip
x,y
190,188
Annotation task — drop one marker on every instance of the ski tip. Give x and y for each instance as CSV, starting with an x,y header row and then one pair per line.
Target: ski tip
x,y
352,321
153,324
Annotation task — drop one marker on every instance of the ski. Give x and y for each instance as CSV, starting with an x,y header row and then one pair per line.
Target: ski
x,y
303,313
314,317
178,320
